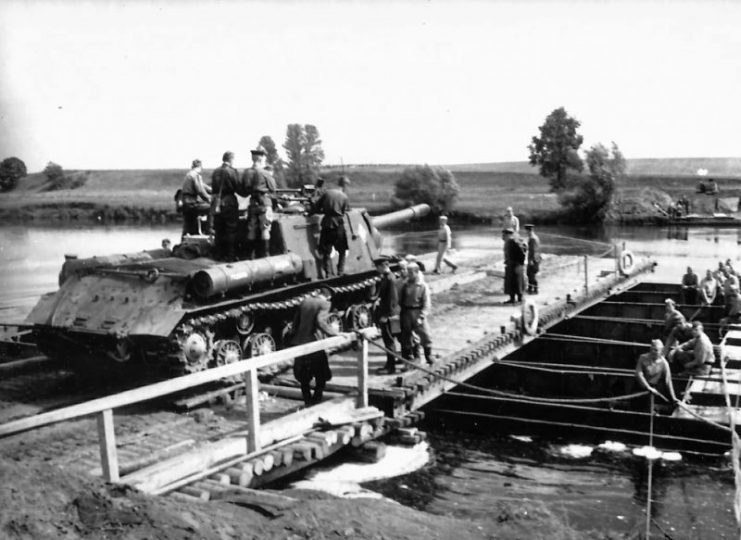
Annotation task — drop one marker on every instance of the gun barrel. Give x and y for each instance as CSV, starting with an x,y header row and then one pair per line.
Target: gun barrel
x,y
387,220
228,277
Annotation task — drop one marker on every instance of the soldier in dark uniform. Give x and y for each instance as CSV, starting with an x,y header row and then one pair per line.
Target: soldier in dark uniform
x,y
533,259
310,324
261,186
387,311
225,186
415,302
514,266
334,205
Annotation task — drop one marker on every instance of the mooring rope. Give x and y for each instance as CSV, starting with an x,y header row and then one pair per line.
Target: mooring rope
x,y
589,339
534,399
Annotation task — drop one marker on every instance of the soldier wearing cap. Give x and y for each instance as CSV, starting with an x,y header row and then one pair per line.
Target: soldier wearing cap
x,y
333,204
416,304
444,243
514,266
225,186
387,312
261,187
533,259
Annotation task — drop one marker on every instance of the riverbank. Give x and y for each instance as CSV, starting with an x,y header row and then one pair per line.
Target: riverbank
x,y
146,196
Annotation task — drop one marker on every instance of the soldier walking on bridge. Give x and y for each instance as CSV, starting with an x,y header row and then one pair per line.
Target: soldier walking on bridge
x,y
334,205
261,186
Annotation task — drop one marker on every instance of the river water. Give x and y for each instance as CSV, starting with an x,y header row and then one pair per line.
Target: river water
x,y
470,471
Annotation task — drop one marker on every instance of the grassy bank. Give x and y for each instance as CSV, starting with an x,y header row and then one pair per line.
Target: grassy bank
x,y
486,190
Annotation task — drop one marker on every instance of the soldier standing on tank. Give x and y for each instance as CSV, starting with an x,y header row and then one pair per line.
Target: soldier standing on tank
x,y
196,198
262,188
224,207
533,259
415,304
334,205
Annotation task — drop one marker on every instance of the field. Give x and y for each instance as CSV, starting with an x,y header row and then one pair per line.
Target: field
x,y
486,190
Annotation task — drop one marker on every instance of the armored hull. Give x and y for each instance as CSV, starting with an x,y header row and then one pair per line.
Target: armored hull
x,y
183,311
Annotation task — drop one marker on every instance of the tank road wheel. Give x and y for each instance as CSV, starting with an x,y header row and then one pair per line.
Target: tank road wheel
x,y
245,323
358,317
227,352
259,344
334,319
197,351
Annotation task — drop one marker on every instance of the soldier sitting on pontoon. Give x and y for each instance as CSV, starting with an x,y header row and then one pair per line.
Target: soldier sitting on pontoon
x,y
696,356
672,316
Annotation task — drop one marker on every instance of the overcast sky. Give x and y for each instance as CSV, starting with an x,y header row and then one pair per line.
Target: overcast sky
x,y
153,84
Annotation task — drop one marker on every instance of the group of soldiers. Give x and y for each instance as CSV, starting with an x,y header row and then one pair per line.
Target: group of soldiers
x,y
220,202
521,263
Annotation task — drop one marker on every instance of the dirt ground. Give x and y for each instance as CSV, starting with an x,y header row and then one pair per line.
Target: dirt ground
x,y
43,501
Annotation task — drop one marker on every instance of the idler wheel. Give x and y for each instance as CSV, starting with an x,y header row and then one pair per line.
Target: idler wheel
x,y
359,317
227,352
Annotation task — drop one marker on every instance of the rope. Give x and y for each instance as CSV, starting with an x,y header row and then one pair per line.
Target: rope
x,y
571,239
587,339
650,468
533,399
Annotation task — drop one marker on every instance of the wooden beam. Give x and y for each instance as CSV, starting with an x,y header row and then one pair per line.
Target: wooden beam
x,y
253,410
362,374
107,442
176,384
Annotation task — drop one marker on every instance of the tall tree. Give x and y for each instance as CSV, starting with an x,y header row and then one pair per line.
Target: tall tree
x,y
556,150
273,159
313,154
435,186
294,148
588,198
12,169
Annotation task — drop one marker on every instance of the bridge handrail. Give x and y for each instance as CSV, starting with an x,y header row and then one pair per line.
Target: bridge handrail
x,y
170,386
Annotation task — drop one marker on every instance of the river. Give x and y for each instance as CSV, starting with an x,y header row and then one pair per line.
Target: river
x,y
693,501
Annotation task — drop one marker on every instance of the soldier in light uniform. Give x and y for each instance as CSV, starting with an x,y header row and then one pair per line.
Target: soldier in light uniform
x,y
261,187
415,304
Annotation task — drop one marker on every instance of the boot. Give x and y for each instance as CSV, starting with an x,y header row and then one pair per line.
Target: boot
x,y
428,356
341,264
266,248
406,354
326,265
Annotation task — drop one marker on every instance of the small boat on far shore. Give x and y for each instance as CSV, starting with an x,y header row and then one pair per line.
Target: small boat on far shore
x,y
718,219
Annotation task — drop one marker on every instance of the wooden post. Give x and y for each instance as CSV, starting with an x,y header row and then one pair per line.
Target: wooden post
x,y
252,402
107,442
586,274
362,373
617,260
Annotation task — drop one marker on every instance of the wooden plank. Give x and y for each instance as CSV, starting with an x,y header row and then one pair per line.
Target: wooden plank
x,y
107,443
362,373
177,384
253,410
211,454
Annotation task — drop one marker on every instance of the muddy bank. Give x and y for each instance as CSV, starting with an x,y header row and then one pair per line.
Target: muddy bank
x,y
42,501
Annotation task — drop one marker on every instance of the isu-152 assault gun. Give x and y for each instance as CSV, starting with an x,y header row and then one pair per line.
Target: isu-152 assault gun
x,y
183,311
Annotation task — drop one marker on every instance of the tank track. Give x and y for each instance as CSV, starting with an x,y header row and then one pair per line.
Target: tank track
x,y
205,324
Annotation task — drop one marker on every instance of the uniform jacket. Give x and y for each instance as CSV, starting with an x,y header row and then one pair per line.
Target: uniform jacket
x,y
258,181
225,181
333,203
415,296
310,322
194,189
388,296
444,236
533,249
514,252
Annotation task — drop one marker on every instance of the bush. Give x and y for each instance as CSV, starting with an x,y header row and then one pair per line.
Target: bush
x,y
12,169
55,175
435,186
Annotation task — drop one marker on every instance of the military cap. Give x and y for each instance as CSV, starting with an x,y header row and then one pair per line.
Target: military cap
x,y
529,226
324,291
443,218
669,302
196,163
343,181
259,151
508,231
